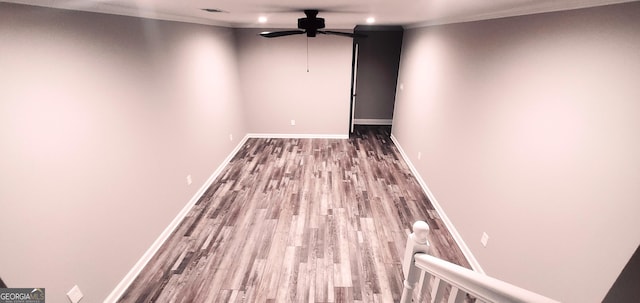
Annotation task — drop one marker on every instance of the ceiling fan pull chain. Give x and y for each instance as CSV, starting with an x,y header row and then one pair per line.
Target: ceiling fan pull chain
x,y
307,54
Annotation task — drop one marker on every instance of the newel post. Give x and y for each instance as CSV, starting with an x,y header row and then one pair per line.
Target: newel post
x,y
417,243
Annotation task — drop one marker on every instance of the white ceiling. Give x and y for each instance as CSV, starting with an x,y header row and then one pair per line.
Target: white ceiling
x,y
339,14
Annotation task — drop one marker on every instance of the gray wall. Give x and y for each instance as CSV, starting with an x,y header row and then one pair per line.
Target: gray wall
x,y
101,119
378,61
277,88
529,130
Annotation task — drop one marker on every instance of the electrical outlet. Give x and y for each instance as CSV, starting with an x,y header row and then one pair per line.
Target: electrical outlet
x,y
293,122
484,239
189,180
419,155
75,295
230,137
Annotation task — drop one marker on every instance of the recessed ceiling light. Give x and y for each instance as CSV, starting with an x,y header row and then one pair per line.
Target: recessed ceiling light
x,y
262,19
371,20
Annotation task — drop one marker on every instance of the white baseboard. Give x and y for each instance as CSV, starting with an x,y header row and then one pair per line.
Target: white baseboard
x,y
373,121
454,233
299,136
142,262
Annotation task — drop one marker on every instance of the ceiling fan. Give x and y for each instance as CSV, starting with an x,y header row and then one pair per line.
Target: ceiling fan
x,y
310,25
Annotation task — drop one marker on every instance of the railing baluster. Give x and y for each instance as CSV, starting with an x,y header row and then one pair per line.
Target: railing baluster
x,y
456,295
423,288
437,292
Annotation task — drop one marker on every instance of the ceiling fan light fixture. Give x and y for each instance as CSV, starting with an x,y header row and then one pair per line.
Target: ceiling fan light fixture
x,y
262,19
371,20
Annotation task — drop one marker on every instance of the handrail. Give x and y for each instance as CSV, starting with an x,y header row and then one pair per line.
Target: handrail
x,y
483,287
480,286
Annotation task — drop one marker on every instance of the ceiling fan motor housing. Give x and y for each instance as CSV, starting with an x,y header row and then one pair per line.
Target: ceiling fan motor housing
x,y
311,24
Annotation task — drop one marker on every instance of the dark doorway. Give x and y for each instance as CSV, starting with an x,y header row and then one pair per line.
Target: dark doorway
x,y
376,60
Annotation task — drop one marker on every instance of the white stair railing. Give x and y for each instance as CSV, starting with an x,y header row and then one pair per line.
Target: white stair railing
x,y
464,284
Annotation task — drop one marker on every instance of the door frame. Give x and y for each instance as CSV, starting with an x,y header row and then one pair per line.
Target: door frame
x,y
354,74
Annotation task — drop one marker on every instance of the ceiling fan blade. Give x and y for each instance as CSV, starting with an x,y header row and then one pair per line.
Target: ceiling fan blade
x,y
281,33
351,35
339,9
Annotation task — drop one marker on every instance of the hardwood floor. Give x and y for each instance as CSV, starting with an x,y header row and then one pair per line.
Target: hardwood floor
x,y
298,220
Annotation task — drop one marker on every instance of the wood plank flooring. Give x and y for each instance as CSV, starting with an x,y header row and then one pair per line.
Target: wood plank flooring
x,y
298,220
